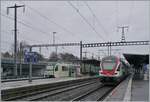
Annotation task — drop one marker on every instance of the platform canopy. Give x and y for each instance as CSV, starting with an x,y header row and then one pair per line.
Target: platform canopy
x,y
137,59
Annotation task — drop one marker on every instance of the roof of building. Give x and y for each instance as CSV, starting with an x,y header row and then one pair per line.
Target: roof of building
x,y
137,59
91,61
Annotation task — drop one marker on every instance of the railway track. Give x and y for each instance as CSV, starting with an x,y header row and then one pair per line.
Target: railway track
x,y
20,79
88,90
37,92
57,95
97,94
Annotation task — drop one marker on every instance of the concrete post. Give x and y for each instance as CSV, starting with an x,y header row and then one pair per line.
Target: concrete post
x,y
30,68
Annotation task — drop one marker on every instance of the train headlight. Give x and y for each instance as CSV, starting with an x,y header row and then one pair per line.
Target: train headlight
x,y
116,73
100,72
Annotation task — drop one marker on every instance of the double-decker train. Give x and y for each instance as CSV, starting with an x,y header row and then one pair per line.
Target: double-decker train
x,y
113,69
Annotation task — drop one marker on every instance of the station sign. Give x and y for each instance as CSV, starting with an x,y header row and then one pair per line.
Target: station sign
x,y
30,57
145,68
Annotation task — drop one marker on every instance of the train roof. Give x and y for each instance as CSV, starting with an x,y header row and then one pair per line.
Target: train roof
x,y
121,59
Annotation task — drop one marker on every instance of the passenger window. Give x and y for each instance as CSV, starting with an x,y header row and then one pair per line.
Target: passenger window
x,y
118,68
64,68
56,68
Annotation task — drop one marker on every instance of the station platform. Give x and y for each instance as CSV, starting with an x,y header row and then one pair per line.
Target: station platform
x,y
25,83
130,90
140,90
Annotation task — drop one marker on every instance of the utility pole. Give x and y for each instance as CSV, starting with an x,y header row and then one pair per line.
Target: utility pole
x,y
109,48
85,54
54,41
92,55
81,56
15,35
80,50
40,50
99,55
30,67
21,53
123,32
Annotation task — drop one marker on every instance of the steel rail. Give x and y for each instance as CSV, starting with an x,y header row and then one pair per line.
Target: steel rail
x,y
79,98
38,89
87,93
60,91
110,90
105,94
102,97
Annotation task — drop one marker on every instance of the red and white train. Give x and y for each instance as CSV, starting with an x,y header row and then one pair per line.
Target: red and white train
x,y
113,69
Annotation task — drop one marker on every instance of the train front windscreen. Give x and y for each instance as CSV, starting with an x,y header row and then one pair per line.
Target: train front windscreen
x,y
108,63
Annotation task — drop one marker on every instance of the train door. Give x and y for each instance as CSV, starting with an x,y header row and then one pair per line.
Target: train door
x,y
56,71
65,71
71,71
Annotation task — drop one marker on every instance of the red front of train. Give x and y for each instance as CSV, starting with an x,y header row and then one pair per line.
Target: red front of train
x,y
112,69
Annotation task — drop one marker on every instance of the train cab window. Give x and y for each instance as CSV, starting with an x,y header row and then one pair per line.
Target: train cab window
x,y
64,68
56,68
118,68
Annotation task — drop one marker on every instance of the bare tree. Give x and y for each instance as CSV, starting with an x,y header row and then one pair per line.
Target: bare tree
x,y
6,55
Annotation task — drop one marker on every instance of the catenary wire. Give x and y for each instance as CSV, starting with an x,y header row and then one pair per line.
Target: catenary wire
x,y
77,10
51,21
98,21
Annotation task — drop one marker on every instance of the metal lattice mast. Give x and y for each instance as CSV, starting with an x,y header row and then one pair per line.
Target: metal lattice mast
x,y
123,32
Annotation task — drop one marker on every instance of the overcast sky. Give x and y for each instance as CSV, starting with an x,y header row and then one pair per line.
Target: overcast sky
x,y
42,18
